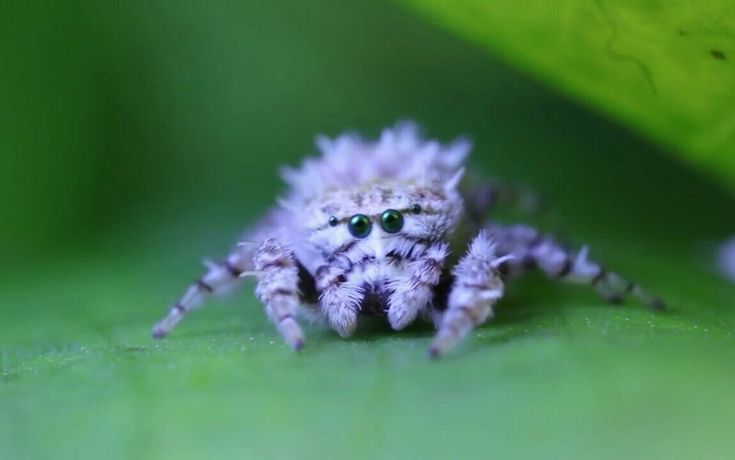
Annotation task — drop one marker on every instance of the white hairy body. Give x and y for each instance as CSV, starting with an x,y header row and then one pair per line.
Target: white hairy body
x,y
385,228
726,259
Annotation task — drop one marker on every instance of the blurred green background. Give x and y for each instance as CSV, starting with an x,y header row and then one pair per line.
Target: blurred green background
x,y
138,137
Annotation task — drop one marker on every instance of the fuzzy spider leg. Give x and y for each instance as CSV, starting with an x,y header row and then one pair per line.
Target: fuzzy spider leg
x,y
531,249
477,286
414,291
218,278
485,196
278,289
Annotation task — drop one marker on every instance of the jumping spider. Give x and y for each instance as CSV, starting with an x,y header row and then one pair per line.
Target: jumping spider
x,y
372,227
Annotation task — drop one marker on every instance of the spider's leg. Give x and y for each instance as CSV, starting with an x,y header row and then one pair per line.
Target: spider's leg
x,y
531,249
482,197
477,286
219,277
278,288
413,292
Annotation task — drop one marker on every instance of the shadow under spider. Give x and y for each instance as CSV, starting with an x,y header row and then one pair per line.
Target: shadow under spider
x,y
524,305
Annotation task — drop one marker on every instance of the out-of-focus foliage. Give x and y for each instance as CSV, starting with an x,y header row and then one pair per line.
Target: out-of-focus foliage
x,y
140,136
666,68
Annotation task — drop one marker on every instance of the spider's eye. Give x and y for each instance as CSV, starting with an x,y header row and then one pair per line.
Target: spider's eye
x,y
391,221
333,221
359,225
416,209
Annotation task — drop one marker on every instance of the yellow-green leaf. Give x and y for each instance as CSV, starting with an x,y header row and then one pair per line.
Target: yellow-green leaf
x,y
665,68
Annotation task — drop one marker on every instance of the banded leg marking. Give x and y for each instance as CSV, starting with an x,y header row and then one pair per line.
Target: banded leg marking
x,y
531,249
218,277
278,288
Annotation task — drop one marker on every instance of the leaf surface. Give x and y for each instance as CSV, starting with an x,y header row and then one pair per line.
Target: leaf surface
x,y
663,68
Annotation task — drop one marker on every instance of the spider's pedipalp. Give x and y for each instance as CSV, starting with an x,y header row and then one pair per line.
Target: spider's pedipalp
x,y
413,291
339,299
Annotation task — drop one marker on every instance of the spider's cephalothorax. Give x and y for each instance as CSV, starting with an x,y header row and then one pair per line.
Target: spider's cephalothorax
x,y
380,228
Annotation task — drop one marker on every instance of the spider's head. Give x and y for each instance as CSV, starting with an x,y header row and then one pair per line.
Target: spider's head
x,y
382,219
363,199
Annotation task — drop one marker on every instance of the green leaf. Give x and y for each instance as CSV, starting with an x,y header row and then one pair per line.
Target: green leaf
x,y
196,106
666,69
558,373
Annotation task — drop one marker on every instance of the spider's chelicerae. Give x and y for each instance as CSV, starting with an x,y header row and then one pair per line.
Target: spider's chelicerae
x,y
387,228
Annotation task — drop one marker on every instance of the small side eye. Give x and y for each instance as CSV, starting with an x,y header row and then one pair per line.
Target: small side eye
x,y
391,221
360,226
333,221
416,209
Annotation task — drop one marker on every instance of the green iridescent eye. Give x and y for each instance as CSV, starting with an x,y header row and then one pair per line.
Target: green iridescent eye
x,y
391,221
360,225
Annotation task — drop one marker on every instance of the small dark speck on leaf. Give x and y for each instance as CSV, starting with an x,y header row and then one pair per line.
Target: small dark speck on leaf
x,y
683,32
717,54
134,349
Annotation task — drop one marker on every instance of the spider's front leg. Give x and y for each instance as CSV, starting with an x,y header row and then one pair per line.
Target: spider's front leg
x,y
415,290
278,288
477,286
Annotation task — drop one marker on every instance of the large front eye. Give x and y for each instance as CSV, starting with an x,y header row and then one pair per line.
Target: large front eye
x,y
359,225
391,221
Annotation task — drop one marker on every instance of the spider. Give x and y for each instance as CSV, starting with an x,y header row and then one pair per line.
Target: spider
x,y
726,258
387,228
